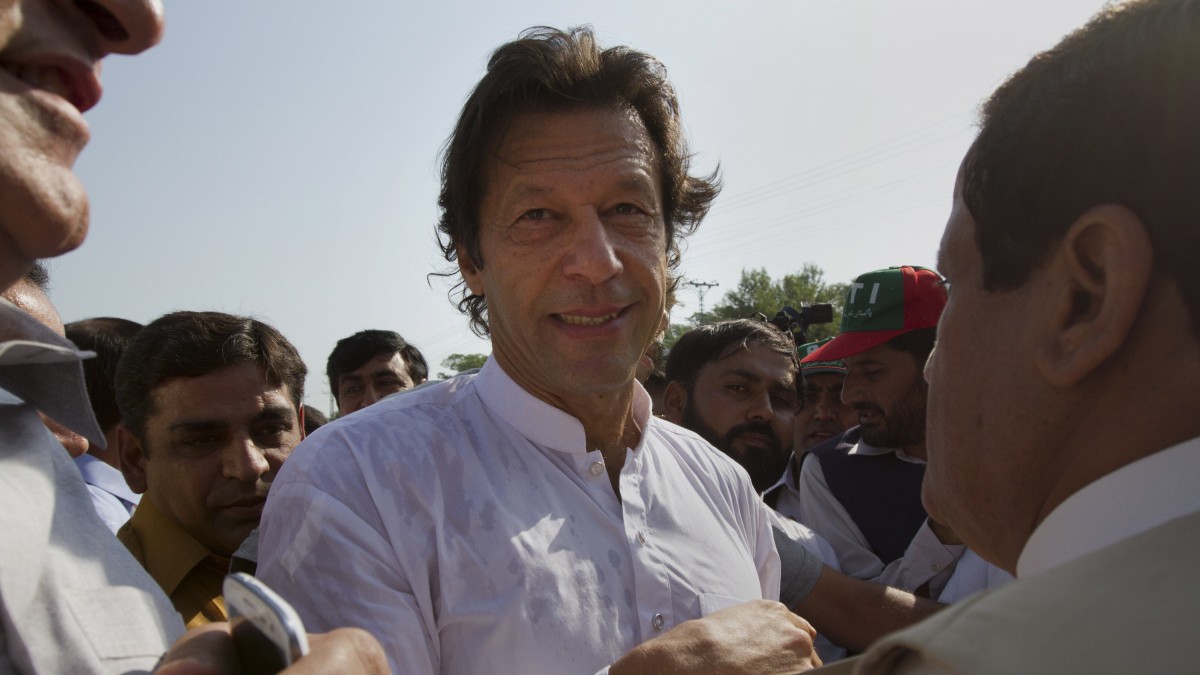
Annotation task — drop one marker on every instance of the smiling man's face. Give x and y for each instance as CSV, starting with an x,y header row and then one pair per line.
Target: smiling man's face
x,y
574,250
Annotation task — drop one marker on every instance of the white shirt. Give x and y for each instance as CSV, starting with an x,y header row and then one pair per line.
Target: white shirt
x,y
469,528
1133,499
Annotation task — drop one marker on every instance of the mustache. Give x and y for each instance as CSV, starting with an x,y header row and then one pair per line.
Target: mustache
x,y
867,407
752,428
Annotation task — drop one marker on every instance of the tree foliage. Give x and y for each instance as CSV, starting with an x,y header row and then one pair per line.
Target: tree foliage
x,y
757,293
458,363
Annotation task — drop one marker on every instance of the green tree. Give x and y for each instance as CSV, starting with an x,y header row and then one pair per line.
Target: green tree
x,y
458,363
757,293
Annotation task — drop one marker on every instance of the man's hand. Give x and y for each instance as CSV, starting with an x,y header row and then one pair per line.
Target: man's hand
x,y
757,637
208,650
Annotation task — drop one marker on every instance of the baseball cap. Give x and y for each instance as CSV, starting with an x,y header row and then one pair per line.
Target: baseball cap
x,y
881,305
814,367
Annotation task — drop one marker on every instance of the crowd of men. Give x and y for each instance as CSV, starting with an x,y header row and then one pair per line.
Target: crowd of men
x,y
1013,435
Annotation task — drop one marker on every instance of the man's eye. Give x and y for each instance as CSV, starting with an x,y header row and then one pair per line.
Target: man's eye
x,y
390,384
201,441
784,402
352,389
273,432
736,388
626,209
535,214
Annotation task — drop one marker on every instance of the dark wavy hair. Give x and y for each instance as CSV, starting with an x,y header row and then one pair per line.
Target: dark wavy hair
x,y
107,336
715,341
192,344
1110,115
549,70
350,353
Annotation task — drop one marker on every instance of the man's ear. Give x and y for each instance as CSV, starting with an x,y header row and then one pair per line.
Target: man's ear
x,y
674,401
469,270
132,459
1099,278
300,421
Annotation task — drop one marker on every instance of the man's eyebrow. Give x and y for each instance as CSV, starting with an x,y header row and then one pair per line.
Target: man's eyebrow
x,y
191,426
275,412
742,373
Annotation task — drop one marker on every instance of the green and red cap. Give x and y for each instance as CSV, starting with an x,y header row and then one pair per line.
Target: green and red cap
x,y
881,305
815,367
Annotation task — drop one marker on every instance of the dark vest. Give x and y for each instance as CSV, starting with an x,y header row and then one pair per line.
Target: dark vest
x,y
882,493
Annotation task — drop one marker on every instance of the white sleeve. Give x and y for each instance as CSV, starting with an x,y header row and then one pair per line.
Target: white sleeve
x,y
926,559
338,569
825,515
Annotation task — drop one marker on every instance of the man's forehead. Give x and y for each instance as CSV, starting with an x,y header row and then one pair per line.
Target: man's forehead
x,y
824,380
574,141
735,359
226,387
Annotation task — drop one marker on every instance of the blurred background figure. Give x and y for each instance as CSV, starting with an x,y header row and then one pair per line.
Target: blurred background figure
x,y
370,365
101,469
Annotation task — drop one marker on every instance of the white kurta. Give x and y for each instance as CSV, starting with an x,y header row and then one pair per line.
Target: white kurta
x,y
467,525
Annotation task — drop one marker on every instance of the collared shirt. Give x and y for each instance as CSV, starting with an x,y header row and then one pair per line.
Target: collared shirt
x,y
111,496
72,600
468,526
1134,499
189,573
1102,513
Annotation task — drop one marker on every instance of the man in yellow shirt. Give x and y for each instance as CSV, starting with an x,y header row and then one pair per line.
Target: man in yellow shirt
x,y
211,406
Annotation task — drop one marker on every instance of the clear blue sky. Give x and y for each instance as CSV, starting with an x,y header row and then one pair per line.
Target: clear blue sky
x,y
279,158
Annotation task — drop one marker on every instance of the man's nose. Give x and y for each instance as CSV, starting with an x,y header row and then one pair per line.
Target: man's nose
x,y
761,408
592,254
826,408
123,26
370,395
245,461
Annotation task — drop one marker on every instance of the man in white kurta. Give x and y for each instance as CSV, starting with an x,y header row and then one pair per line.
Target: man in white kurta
x,y
535,517
467,525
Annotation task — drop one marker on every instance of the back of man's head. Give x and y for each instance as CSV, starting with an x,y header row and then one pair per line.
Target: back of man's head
x,y
1108,116
107,336
352,353
550,71
192,344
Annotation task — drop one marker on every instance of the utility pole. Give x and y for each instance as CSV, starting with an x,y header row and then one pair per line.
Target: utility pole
x,y
701,287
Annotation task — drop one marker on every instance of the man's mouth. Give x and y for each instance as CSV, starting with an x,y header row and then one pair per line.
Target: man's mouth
x,y
74,83
248,506
868,414
578,320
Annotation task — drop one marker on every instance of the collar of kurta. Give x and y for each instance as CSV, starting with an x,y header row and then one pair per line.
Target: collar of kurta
x,y
540,422
43,369
164,548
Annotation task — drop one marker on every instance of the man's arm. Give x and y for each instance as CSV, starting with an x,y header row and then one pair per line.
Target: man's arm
x,y
854,613
760,636
337,569
849,612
